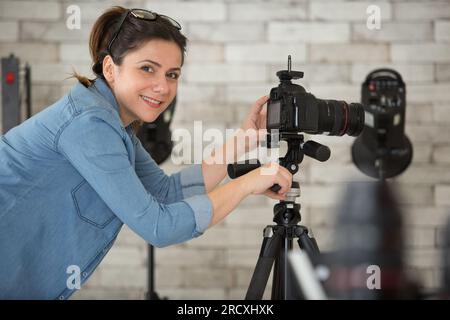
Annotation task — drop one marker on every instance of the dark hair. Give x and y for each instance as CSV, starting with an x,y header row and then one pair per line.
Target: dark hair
x,y
133,33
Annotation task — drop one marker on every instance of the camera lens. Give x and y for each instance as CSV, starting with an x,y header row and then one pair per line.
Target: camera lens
x,y
338,118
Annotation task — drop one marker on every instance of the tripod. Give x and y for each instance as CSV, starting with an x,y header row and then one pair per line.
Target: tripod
x,y
278,240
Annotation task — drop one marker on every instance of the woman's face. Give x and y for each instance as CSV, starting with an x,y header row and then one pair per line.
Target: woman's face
x,y
146,82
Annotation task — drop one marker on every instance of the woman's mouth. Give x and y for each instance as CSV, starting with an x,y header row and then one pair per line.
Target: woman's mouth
x,y
151,102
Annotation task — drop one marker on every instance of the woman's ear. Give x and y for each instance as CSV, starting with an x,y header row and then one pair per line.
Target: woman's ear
x,y
108,69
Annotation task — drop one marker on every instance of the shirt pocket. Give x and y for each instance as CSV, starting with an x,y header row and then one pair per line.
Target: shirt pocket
x,y
90,207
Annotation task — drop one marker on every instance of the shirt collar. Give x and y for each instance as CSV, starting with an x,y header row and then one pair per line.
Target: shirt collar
x,y
105,91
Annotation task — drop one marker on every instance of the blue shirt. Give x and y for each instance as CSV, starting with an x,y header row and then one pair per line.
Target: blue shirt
x,y
70,177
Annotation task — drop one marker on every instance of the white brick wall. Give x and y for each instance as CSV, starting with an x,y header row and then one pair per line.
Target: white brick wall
x,y
234,51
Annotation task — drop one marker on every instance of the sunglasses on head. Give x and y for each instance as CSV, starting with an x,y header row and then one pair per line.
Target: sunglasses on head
x,y
143,15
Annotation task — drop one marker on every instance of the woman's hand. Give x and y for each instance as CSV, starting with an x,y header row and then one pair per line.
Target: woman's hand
x,y
259,181
254,125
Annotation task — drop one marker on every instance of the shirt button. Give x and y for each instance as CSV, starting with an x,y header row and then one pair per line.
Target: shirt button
x,y
61,297
85,274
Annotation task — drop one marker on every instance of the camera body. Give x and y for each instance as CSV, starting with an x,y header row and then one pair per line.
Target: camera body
x,y
383,94
291,109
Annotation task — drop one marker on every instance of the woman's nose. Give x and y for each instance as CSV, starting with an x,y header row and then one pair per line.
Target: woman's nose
x,y
160,86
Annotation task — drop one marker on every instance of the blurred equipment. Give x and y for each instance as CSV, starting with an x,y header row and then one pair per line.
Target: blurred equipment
x,y
156,138
16,82
383,150
367,262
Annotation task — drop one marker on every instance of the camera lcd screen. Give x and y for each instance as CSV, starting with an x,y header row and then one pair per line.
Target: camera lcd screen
x,y
273,114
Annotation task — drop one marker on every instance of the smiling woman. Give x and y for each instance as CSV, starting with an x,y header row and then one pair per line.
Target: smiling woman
x,y
73,174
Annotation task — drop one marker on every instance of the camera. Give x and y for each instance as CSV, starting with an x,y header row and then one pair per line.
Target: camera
x,y
291,109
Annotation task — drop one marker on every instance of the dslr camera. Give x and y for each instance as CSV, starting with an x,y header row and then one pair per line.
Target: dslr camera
x,y
291,109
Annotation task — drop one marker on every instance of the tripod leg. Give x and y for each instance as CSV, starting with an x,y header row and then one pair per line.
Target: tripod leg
x,y
306,242
269,248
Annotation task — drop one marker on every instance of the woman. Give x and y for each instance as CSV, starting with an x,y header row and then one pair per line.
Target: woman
x,y
73,174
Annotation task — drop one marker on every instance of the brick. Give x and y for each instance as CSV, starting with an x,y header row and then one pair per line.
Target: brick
x,y
29,10
71,52
44,95
226,32
414,194
108,294
411,73
258,217
346,11
169,277
328,172
424,216
114,277
242,257
320,196
54,72
190,11
10,31
441,112
128,256
246,93
425,133
420,11
53,32
311,32
179,256
315,72
419,238
90,11
394,32
267,11
188,93
442,72
442,31
424,93
209,113
442,234
128,237
423,258
193,294
224,73
425,174
31,52
349,53
202,277
422,153
442,195
222,237
418,113
441,154
264,52
425,52
205,52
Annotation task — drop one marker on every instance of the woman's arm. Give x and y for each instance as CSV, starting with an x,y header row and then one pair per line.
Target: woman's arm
x,y
244,140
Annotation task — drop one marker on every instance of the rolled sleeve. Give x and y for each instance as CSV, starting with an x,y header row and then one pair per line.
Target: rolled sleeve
x,y
192,182
202,208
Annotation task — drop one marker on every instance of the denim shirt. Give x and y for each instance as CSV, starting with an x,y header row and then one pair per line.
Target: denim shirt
x,y
70,177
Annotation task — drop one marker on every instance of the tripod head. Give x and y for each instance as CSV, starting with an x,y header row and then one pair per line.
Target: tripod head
x,y
297,149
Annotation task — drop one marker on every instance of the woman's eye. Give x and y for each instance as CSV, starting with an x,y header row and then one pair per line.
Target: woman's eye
x,y
147,69
173,75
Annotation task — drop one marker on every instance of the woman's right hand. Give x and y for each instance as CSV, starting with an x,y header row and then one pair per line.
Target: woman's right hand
x,y
259,181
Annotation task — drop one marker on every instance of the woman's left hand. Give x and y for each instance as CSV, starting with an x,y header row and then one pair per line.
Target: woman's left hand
x,y
256,119
254,126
